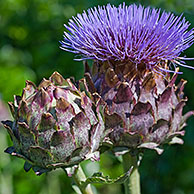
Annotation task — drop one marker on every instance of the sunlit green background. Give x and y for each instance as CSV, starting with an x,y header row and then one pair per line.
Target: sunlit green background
x,y
30,32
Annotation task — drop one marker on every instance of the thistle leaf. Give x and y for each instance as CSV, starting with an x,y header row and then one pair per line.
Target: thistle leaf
x,y
100,178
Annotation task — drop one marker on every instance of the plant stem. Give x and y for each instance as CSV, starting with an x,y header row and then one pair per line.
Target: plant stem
x,y
79,176
132,184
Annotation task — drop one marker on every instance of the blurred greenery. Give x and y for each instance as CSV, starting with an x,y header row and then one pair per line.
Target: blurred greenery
x,y
30,32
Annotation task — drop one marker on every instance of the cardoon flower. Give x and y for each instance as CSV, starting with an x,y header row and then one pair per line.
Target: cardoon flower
x,y
55,125
143,38
133,48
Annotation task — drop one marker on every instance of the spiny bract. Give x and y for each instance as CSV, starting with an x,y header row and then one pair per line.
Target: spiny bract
x,y
55,125
144,110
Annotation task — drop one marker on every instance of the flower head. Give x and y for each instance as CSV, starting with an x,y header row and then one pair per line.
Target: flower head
x,y
142,112
55,125
129,34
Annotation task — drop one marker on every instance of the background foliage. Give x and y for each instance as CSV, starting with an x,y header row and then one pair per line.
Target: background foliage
x,y
30,32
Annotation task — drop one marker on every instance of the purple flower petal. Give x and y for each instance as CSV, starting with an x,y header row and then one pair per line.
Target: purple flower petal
x,y
128,33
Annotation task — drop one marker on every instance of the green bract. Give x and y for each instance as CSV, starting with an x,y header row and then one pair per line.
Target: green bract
x,y
144,107
55,124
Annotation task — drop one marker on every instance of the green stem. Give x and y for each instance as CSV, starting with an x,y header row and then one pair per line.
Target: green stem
x,y
78,177
132,184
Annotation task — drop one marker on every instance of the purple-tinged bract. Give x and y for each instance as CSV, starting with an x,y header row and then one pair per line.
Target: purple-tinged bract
x,y
55,125
143,111
129,34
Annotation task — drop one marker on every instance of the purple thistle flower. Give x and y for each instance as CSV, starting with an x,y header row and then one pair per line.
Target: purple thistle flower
x,y
129,34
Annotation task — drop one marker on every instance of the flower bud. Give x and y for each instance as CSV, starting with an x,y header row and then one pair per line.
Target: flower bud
x,y
55,125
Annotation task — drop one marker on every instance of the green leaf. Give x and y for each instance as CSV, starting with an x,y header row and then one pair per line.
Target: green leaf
x,y
100,178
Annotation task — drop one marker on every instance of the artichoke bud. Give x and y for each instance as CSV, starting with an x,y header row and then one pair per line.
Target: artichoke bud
x,y
144,107
55,124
